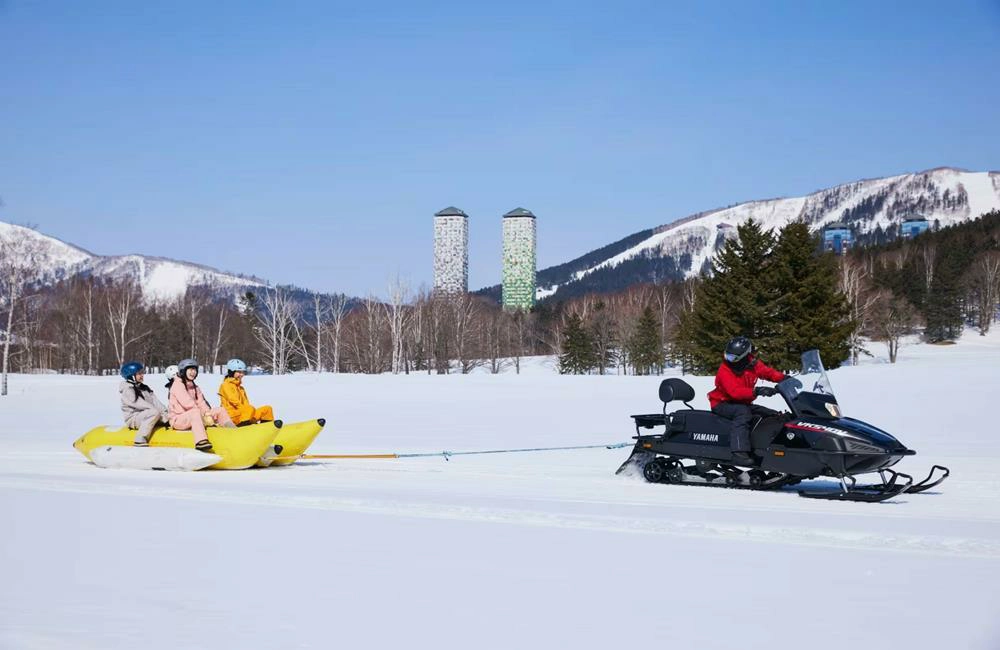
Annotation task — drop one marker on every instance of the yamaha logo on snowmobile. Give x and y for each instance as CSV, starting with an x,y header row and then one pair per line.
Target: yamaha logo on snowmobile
x,y
705,437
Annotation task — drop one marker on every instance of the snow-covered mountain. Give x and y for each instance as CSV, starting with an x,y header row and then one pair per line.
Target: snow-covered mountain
x,y
683,247
160,278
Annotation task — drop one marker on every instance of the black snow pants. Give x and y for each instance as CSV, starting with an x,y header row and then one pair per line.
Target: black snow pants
x,y
740,414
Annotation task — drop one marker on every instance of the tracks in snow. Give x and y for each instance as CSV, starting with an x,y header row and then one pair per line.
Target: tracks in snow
x,y
608,523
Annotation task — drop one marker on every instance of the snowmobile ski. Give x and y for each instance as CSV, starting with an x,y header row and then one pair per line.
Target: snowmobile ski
x,y
927,484
850,491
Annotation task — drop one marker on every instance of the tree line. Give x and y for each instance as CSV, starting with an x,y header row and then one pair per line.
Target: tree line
x,y
779,288
935,284
789,295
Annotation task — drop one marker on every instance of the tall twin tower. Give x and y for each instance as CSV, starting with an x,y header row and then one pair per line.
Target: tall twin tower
x,y
451,255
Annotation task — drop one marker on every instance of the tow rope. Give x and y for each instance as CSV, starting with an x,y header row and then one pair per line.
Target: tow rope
x,y
448,454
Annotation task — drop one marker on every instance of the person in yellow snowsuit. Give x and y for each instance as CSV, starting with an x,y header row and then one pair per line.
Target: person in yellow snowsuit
x,y
234,397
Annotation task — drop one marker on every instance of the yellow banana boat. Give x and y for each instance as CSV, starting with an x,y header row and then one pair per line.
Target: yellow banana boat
x,y
294,439
239,447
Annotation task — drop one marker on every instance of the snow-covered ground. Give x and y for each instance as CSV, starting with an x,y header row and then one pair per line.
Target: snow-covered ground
x,y
530,550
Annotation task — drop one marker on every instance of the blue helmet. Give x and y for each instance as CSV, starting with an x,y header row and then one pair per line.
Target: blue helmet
x,y
184,365
236,365
131,368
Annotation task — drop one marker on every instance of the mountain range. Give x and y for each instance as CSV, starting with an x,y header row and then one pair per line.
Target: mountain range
x,y
684,248
679,249
160,278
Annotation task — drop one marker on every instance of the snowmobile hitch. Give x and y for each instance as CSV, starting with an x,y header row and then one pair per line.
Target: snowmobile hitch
x,y
851,491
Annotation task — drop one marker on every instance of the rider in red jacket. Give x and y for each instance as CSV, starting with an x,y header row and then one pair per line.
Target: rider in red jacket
x,y
736,388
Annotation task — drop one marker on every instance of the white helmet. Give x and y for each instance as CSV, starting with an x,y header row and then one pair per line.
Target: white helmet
x,y
171,372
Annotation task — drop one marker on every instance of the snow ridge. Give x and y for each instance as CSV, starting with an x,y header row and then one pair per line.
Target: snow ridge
x,y
945,195
160,278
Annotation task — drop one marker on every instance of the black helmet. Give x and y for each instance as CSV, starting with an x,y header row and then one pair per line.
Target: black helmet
x,y
738,352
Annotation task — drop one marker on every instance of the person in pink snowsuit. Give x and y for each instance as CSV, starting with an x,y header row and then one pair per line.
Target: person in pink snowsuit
x,y
188,409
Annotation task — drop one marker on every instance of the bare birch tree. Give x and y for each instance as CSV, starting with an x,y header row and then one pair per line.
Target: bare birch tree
x,y
276,327
985,280
122,300
88,326
439,334
195,302
861,299
928,254
318,324
522,331
365,339
893,319
220,333
336,310
495,334
464,311
397,318
417,352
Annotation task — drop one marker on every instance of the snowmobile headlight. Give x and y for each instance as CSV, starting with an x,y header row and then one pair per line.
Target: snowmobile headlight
x,y
833,409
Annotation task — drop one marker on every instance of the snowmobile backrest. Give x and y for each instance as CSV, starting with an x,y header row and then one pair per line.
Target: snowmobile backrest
x,y
677,389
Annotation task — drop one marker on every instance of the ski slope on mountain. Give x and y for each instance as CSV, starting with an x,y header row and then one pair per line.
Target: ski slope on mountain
x,y
545,549
944,195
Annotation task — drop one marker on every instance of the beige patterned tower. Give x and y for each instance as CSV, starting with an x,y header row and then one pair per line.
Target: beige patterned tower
x,y
451,251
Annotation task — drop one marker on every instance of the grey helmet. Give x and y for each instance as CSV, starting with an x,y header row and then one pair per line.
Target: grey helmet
x,y
183,365
738,352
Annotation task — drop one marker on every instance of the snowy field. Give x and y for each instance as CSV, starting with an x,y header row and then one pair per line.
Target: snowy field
x,y
533,550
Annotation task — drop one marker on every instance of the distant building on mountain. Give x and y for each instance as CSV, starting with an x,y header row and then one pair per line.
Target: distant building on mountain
x,y
913,227
838,238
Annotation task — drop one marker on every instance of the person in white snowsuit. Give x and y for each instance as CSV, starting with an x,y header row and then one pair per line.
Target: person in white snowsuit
x,y
141,408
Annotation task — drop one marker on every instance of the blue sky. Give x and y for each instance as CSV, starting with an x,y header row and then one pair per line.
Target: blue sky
x,y
311,142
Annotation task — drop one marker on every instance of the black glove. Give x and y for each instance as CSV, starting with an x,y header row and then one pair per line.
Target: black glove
x,y
764,391
792,382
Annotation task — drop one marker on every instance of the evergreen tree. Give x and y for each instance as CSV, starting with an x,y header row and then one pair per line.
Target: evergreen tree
x,y
811,311
943,306
603,335
738,299
645,348
577,356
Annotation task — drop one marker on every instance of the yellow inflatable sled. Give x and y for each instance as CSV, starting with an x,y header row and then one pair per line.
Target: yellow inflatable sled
x,y
294,439
239,447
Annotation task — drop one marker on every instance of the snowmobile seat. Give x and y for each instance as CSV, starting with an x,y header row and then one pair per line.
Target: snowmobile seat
x,y
675,388
699,422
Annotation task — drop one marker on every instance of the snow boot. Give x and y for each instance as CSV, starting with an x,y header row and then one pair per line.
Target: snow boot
x,y
205,446
140,442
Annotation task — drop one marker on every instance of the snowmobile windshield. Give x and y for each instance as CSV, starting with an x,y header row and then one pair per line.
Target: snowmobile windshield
x,y
810,392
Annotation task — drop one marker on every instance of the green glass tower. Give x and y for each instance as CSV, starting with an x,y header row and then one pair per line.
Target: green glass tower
x,y
519,259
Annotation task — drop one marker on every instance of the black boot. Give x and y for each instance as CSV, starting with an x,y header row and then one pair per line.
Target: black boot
x,y
744,459
205,446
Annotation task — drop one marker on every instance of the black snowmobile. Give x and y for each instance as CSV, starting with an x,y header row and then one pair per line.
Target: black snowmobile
x,y
813,440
